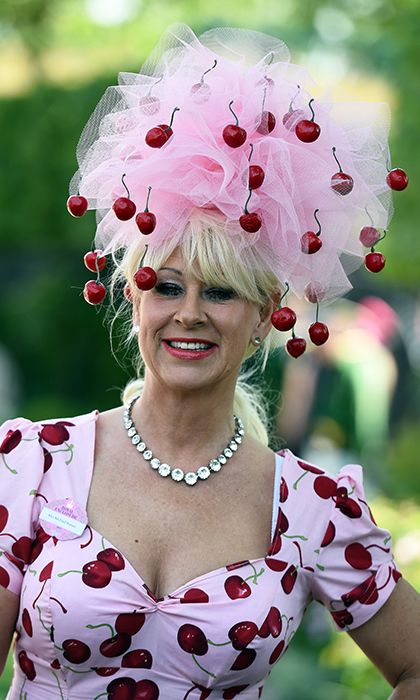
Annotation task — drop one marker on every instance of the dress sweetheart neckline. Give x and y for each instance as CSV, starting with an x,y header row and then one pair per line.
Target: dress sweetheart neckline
x,y
279,463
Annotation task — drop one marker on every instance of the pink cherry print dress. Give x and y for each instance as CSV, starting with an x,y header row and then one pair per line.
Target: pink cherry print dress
x,y
88,627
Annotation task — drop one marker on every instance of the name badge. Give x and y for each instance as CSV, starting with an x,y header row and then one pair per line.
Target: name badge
x,y
64,519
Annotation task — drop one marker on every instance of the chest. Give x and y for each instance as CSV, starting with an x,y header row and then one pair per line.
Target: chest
x,y
172,533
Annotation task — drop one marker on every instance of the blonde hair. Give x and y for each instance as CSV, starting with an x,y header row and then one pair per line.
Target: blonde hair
x,y
213,257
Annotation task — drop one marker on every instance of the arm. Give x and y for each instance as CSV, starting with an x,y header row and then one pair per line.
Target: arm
x,y
9,606
391,640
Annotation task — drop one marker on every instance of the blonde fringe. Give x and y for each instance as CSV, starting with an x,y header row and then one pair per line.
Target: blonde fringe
x,y
207,250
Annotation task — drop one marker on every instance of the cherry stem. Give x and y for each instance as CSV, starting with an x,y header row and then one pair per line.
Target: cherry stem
x,y
202,667
102,624
310,107
152,86
317,221
208,70
284,294
147,200
317,311
251,152
336,159
293,99
143,256
370,218
293,333
176,109
372,249
230,107
126,188
246,203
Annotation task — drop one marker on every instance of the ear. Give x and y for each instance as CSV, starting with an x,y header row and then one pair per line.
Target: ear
x,y
264,325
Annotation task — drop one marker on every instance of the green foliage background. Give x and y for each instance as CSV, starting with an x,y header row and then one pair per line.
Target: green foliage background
x,y
59,343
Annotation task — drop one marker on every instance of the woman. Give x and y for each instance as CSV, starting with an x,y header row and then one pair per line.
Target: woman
x,y
161,549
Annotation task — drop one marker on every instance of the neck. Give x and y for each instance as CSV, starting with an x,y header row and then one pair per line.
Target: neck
x,y
186,428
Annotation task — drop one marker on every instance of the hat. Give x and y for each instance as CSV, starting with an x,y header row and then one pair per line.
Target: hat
x,y
224,121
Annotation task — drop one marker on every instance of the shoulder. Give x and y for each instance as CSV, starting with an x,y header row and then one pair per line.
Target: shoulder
x,y
27,440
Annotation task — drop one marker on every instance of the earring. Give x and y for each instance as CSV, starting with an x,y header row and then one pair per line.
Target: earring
x,y
134,330
257,340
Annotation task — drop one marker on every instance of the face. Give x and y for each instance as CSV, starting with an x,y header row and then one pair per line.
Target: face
x,y
193,336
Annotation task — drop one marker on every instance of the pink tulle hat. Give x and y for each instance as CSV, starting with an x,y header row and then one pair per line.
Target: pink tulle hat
x,y
304,180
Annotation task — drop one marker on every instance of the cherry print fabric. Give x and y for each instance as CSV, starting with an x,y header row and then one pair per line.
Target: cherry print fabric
x,y
88,626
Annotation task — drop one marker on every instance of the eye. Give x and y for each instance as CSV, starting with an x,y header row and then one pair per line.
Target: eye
x,y
219,293
168,289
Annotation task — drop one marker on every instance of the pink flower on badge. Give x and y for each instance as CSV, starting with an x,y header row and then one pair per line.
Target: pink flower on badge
x,y
11,440
55,433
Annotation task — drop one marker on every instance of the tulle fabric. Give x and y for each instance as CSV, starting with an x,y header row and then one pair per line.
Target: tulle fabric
x,y
196,169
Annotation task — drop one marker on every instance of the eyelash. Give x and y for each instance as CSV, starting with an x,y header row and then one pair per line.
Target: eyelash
x,y
214,293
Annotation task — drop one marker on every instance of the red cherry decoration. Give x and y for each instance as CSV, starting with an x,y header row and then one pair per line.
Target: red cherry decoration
x,y
283,319
145,220
192,640
94,260
145,278
310,242
295,346
10,442
397,179
267,123
137,658
116,645
342,183
374,262
156,137
236,587
233,134
124,208
159,135
130,623
242,633
369,235
77,205
250,222
256,177
112,558
307,130
94,292
96,574
318,333
75,651
27,665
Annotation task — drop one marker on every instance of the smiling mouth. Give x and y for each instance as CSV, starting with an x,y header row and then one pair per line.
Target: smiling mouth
x,y
180,345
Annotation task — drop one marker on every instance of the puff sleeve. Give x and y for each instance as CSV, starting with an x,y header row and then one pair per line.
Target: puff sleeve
x,y
355,572
21,471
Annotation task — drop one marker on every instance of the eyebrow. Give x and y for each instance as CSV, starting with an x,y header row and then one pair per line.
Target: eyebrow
x,y
171,269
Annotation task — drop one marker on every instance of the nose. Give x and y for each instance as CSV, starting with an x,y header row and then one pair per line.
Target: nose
x,y
190,311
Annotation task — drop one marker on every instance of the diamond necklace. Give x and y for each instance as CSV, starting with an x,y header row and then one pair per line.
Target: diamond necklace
x,y
177,474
